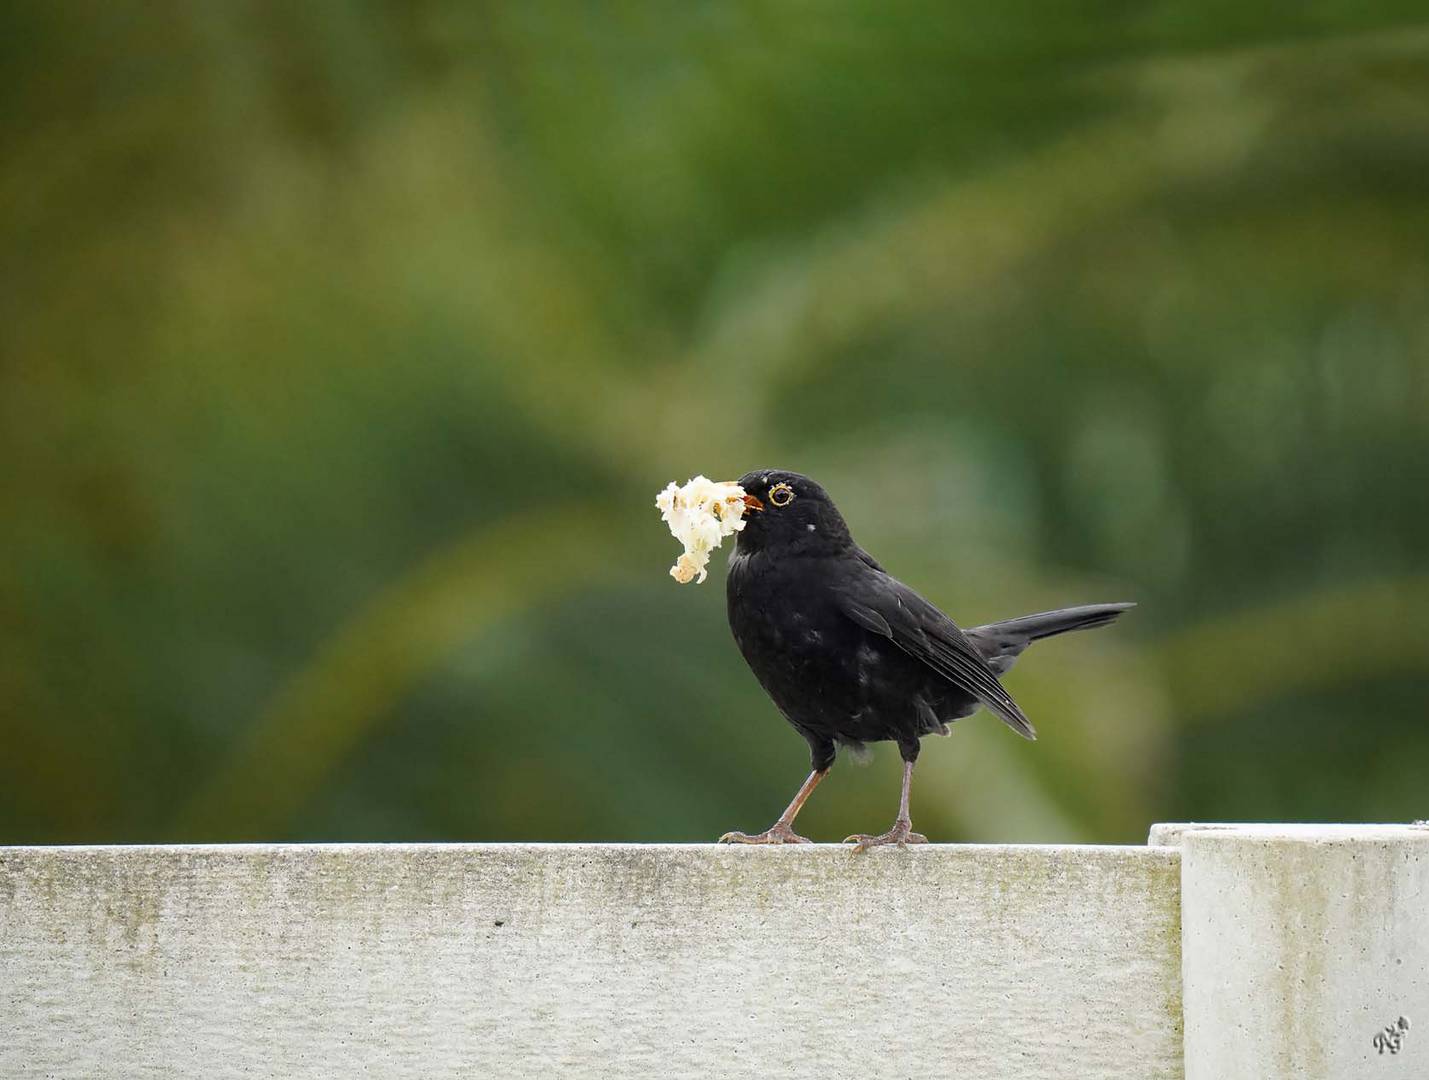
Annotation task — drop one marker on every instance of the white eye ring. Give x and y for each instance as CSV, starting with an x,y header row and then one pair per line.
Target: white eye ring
x,y
781,495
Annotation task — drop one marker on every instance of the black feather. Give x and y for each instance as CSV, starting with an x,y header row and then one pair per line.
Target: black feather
x,y
1001,643
886,606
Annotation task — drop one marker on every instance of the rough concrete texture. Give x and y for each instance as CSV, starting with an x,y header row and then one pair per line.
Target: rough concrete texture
x,y
1169,833
1304,947
630,961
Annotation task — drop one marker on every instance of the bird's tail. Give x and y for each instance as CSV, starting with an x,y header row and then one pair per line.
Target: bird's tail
x,y
1001,642
1050,623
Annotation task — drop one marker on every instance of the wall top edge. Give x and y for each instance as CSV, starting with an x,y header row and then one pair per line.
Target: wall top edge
x,y
717,852
1174,834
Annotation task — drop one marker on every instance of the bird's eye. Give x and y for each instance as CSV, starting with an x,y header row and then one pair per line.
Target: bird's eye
x,y
781,494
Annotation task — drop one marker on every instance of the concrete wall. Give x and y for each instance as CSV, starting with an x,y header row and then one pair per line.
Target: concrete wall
x,y
1305,947
520,960
674,961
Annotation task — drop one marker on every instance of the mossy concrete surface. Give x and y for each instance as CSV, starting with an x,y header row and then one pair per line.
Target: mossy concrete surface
x,y
1306,950
631,961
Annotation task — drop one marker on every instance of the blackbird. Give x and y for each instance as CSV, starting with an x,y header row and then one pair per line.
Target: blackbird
x,y
849,654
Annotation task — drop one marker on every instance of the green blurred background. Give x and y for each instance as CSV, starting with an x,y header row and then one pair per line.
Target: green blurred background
x,y
345,346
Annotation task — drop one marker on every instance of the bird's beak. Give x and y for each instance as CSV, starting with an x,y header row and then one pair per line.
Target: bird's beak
x,y
750,502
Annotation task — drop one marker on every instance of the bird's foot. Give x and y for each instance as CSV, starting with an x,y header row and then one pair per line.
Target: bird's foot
x,y
901,833
778,833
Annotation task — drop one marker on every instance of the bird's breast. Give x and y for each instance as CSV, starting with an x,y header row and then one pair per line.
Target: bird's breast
x,y
786,622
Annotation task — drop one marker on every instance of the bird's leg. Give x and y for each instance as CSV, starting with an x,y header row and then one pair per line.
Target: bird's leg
x,y
902,831
782,831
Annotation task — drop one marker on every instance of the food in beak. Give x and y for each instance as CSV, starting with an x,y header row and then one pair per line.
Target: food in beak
x,y
700,515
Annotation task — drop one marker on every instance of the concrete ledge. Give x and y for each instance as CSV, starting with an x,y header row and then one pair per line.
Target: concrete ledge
x,y
1298,951
632,961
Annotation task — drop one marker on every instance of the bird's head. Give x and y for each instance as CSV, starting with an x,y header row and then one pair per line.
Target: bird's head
x,y
789,512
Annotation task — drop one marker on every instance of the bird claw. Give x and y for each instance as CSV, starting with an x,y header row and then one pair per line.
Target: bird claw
x,y
902,833
775,834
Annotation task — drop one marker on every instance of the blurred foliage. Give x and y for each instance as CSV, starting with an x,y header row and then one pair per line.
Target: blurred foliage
x,y
343,347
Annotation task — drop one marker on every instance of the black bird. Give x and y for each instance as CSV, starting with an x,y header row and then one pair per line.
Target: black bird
x,y
849,654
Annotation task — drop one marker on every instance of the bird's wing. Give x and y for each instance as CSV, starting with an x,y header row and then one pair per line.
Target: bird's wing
x,y
884,605
867,559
